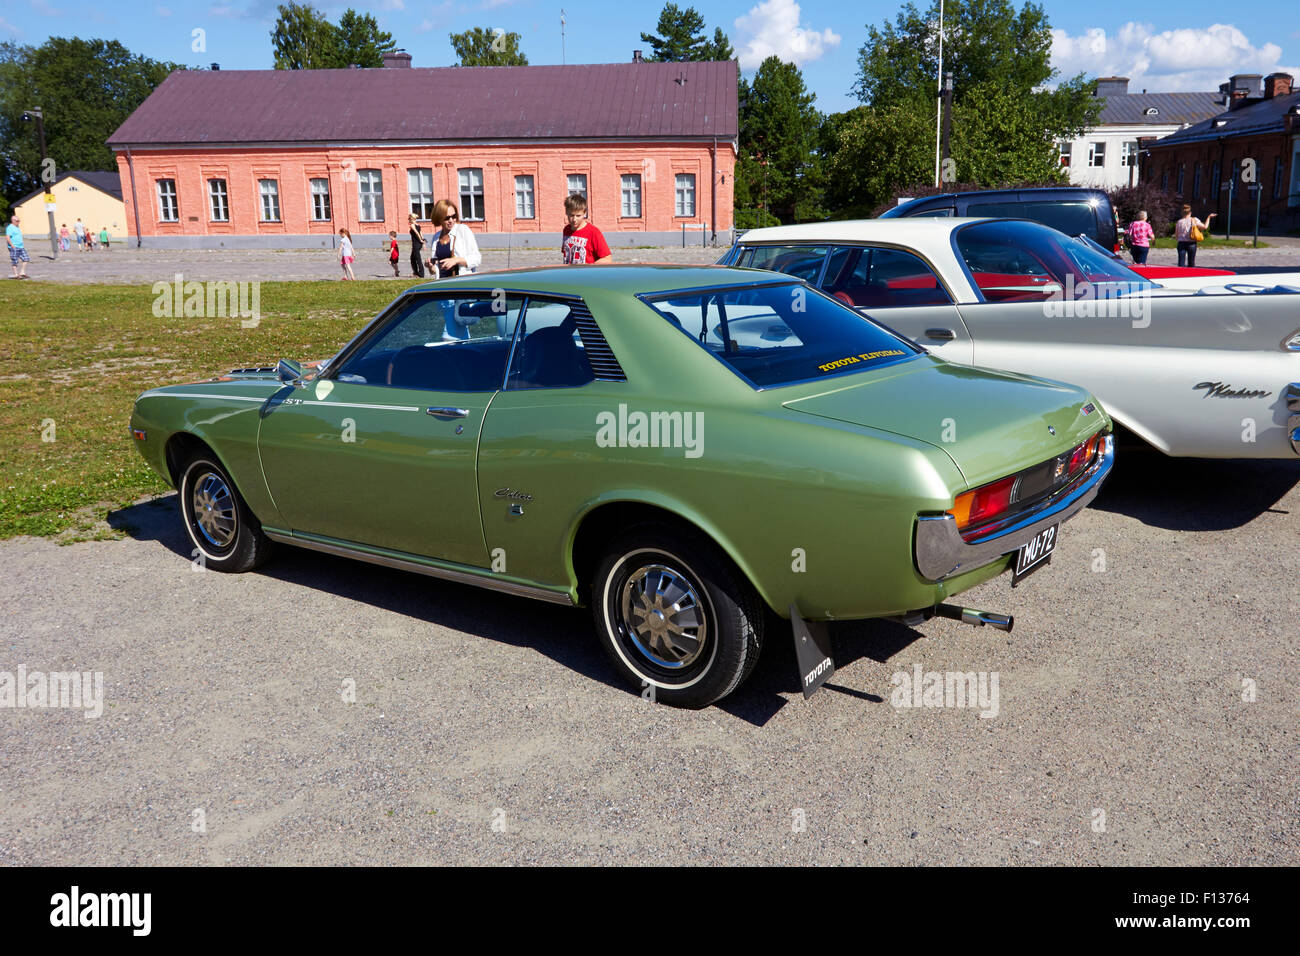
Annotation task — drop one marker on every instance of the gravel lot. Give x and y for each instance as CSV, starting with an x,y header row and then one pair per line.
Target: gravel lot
x,y
1120,691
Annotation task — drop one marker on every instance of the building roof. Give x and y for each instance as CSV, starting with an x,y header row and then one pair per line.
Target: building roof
x,y
1130,109
105,182
439,104
1265,116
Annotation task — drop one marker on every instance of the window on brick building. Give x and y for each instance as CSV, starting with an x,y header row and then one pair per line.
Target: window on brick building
x,y
370,185
320,200
576,183
630,187
420,185
524,206
684,189
1164,179
168,210
1278,182
1196,181
1182,171
471,194
269,190
219,200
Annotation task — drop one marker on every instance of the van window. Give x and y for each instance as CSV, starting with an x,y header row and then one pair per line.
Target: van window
x,y
1071,217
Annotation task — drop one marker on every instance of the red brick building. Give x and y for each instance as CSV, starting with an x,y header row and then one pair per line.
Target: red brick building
x,y
1261,123
284,158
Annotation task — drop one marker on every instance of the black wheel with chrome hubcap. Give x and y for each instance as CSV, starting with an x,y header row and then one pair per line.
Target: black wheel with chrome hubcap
x,y
225,534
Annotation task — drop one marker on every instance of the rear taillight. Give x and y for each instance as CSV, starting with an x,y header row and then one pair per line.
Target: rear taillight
x,y
984,503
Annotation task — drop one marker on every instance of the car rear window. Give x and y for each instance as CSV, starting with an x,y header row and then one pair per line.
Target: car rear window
x,y
780,334
1071,217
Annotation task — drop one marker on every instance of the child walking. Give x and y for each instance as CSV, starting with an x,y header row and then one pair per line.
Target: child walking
x,y
392,252
345,254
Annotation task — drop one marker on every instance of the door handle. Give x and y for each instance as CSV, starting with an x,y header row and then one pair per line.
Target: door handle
x,y
946,335
447,414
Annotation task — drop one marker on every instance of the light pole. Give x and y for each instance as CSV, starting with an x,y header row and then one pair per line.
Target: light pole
x,y
35,114
938,109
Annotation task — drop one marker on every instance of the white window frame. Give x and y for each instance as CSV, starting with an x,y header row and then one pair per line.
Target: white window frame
x,y
169,209
684,195
1065,153
370,200
268,193
525,196
320,198
470,184
218,200
1097,154
569,188
1128,153
629,188
419,183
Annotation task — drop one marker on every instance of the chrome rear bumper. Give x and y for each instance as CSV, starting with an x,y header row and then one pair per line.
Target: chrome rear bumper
x,y
941,551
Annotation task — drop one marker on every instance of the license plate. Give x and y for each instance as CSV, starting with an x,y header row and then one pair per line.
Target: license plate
x,y
1035,553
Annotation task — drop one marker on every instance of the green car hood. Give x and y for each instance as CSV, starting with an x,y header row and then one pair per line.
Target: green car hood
x,y
989,423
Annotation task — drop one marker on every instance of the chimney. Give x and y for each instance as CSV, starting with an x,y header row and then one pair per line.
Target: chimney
x,y
636,56
217,66
398,59
1277,84
1241,88
1112,86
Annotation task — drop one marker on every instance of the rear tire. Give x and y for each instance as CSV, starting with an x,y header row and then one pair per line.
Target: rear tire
x,y
226,535
673,613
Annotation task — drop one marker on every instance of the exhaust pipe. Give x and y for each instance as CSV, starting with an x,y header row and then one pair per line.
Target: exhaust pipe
x,y
967,615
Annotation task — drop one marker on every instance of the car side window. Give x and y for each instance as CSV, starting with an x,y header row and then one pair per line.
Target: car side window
x,y
550,352
802,262
1005,271
439,343
867,277
936,211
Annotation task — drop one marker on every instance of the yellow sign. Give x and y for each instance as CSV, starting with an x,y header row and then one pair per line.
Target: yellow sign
x,y
49,197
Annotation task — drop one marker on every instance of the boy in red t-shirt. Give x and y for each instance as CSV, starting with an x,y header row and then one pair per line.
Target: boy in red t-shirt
x,y
583,243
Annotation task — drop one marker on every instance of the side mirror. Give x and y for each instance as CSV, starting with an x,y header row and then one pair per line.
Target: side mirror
x,y
289,373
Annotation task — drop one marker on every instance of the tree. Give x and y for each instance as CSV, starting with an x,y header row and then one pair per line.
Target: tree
x,y
778,129
360,40
681,38
303,39
85,88
484,46
1005,120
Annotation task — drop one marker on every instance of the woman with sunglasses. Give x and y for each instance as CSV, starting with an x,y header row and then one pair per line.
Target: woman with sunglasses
x,y
454,247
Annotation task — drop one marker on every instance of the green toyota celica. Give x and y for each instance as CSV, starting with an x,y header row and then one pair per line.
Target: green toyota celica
x,y
691,452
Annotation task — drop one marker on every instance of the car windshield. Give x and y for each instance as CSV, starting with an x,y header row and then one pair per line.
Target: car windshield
x,y
1019,261
779,334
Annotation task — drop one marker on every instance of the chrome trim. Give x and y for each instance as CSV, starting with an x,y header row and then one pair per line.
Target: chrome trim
x,y
419,566
941,551
1293,337
1292,396
290,373
447,413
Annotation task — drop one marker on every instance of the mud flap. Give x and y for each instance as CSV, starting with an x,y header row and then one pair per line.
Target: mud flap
x,y
812,650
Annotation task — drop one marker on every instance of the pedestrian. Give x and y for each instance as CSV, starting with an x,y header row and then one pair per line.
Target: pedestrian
x,y
18,257
417,244
1188,231
345,254
1140,235
103,237
392,251
454,247
583,243
64,245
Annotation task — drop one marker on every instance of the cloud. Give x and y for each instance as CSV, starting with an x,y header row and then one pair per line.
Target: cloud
x,y
772,28
162,11
7,27
1186,60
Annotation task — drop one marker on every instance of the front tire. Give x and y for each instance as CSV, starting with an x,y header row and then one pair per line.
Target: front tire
x,y
225,534
674,614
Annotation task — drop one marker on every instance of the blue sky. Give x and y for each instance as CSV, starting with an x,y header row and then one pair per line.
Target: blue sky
x,y
1189,45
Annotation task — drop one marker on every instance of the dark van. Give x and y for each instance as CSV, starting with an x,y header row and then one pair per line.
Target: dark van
x,y
1071,209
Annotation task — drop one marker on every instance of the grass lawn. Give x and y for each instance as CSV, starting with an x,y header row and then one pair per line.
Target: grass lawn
x,y
74,357
1209,243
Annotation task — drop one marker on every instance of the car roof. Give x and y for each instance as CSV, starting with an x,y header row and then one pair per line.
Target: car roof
x,y
630,279
1027,193
918,232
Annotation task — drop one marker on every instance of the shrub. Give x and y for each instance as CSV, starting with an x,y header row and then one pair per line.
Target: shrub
x,y
1162,206
755,219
